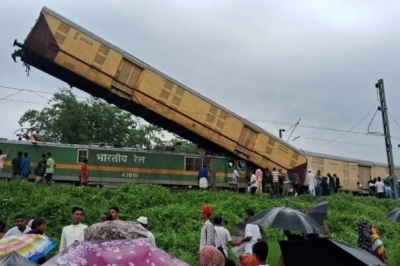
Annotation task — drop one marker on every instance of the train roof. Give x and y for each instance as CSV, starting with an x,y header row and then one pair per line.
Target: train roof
x,y
145,65
346,159
107,148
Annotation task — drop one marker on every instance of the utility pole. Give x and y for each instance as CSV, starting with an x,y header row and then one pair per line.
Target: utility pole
x,y
280,132
388,142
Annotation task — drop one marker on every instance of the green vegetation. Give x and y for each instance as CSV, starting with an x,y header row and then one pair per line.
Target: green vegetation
x,y
173,218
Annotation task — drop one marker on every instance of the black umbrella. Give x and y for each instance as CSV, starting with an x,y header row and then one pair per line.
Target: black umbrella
x,y
14,259
327,252
238,233
319,212
394,215
287,219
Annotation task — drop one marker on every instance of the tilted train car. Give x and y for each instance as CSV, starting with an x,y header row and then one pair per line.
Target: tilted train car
x,y
112,166
349,170
63,49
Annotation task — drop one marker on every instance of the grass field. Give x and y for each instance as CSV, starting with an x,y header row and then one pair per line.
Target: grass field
x,y
173,218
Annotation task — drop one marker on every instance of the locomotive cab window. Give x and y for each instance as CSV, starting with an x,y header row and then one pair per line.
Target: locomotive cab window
x,y
193,163
82,155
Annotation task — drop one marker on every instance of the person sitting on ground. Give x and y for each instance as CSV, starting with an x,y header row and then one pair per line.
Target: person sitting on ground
x,y
211,256
260,251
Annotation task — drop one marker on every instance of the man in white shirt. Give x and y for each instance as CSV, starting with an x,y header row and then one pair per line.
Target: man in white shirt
x,y
311,185
75,231
223,236
260,251
21,220
143,221
235,175
252,233
275,182
253,183
2,158
380,188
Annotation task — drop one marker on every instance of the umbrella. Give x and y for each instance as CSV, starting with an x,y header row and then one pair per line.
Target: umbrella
x,y
327,252
30,246
394,215
116,252
14,259
318,212
287,219
115,230
237,233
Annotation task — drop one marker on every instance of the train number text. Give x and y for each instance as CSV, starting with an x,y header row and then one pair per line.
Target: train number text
x,y
130,175
86,41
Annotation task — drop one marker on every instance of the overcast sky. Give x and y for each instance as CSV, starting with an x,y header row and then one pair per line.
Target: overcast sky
x,y
268,61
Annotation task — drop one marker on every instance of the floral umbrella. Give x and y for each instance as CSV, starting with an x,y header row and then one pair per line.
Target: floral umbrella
x,y
130,252
115,230
30,246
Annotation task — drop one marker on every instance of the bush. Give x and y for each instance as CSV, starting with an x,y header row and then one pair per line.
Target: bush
x,y
174,218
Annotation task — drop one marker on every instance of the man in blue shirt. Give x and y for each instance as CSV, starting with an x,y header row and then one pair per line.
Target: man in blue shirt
x,y
25,166
388,191
203,177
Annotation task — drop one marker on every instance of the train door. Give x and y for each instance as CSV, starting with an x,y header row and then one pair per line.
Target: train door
x,y
364,174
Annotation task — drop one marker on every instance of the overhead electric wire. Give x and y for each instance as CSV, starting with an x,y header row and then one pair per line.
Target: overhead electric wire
x,y
343,133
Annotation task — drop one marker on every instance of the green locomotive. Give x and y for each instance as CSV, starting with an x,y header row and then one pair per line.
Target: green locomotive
x,y
110,166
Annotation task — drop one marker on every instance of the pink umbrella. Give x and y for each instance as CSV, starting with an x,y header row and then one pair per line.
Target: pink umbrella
x,y
127,252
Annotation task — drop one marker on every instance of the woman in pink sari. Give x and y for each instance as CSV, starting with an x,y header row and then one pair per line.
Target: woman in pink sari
x,y
259,179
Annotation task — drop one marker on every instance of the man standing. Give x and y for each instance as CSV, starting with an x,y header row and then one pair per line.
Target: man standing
x,y
311,185
203,177
252,233
286,182
143,221
319,178
207,235
73,232
16,165
259,180
223,236
21,220
235,175
25,166
2,158
40,169
83,176
275,182
50,165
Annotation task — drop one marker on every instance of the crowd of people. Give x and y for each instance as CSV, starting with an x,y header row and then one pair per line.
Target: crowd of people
x,y
214,239
71,233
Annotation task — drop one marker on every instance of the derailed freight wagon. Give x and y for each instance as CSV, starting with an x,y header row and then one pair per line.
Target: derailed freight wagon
x,y
109,166
67,51
349,170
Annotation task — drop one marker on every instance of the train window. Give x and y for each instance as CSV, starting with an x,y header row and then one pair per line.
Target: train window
x,y
242,165
82,155
193,163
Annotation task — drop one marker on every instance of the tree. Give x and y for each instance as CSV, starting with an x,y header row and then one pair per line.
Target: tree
x,y
67,120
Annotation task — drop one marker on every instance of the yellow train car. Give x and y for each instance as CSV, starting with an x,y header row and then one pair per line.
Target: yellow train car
x,y
71,53
349,170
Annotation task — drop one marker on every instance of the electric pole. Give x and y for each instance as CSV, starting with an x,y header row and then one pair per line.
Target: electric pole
x,y
388,142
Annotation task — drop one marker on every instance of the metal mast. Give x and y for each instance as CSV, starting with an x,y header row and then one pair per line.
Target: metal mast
x,y
388,142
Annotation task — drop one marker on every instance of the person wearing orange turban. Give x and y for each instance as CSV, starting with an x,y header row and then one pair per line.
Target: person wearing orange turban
x,y
207,236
